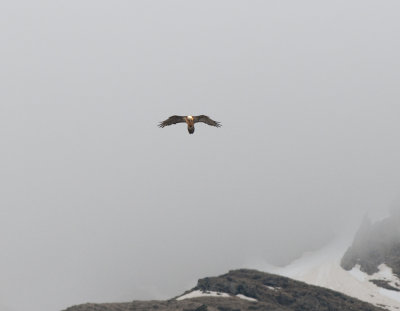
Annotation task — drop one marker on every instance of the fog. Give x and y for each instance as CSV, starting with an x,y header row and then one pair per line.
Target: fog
x,y
98,204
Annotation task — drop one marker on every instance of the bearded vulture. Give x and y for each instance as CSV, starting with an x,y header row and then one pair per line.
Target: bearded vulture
x,y
190,121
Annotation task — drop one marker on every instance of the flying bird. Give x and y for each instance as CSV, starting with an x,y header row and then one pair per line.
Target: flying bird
x,y
190,121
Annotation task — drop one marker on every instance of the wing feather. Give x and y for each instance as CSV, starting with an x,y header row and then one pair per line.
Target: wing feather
x,y
172,120
206,120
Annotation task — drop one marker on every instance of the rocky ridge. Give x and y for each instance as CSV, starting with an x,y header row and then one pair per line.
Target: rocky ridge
x,y
375,244
245,290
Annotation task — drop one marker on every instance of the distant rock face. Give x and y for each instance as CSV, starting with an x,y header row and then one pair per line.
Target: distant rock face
x,y
375,244
245,290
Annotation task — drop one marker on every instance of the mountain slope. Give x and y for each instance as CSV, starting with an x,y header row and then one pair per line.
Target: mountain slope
x,y
322,268
245,290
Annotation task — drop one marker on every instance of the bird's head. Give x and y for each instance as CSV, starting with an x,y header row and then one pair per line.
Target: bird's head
x,y
190,117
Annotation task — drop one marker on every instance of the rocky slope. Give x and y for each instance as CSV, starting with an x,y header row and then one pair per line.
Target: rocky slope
x,y
242,290
322,268
375,244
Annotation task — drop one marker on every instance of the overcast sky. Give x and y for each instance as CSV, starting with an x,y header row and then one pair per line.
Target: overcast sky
x,y
99,204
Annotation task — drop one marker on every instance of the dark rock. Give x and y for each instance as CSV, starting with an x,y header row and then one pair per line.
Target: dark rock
x,y
385,284
375,244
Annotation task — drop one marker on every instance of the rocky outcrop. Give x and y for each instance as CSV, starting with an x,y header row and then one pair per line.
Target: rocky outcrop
x,y
245,290
375,244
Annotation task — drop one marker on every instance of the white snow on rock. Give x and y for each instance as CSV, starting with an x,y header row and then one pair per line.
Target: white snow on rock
x,y
245,297
358,274
199,293
322,268
385,273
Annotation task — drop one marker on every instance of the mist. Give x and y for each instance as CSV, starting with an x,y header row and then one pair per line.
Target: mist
x,y
99,204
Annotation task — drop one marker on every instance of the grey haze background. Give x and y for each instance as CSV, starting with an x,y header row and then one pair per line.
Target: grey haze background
x,y
98,204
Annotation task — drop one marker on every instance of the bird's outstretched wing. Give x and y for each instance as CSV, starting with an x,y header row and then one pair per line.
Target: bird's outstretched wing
x,y
172,120
207,120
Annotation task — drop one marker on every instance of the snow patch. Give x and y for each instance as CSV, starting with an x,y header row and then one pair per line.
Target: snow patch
x,y
391,294
385,273
199,293
245,297
358,274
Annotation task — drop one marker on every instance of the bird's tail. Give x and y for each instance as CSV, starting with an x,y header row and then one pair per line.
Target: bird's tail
x,y
191,129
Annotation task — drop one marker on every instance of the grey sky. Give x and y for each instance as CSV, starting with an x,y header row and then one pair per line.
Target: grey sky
x,y
99,204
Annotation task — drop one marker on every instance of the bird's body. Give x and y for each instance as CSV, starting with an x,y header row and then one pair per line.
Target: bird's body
x,y
190,124
190,121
